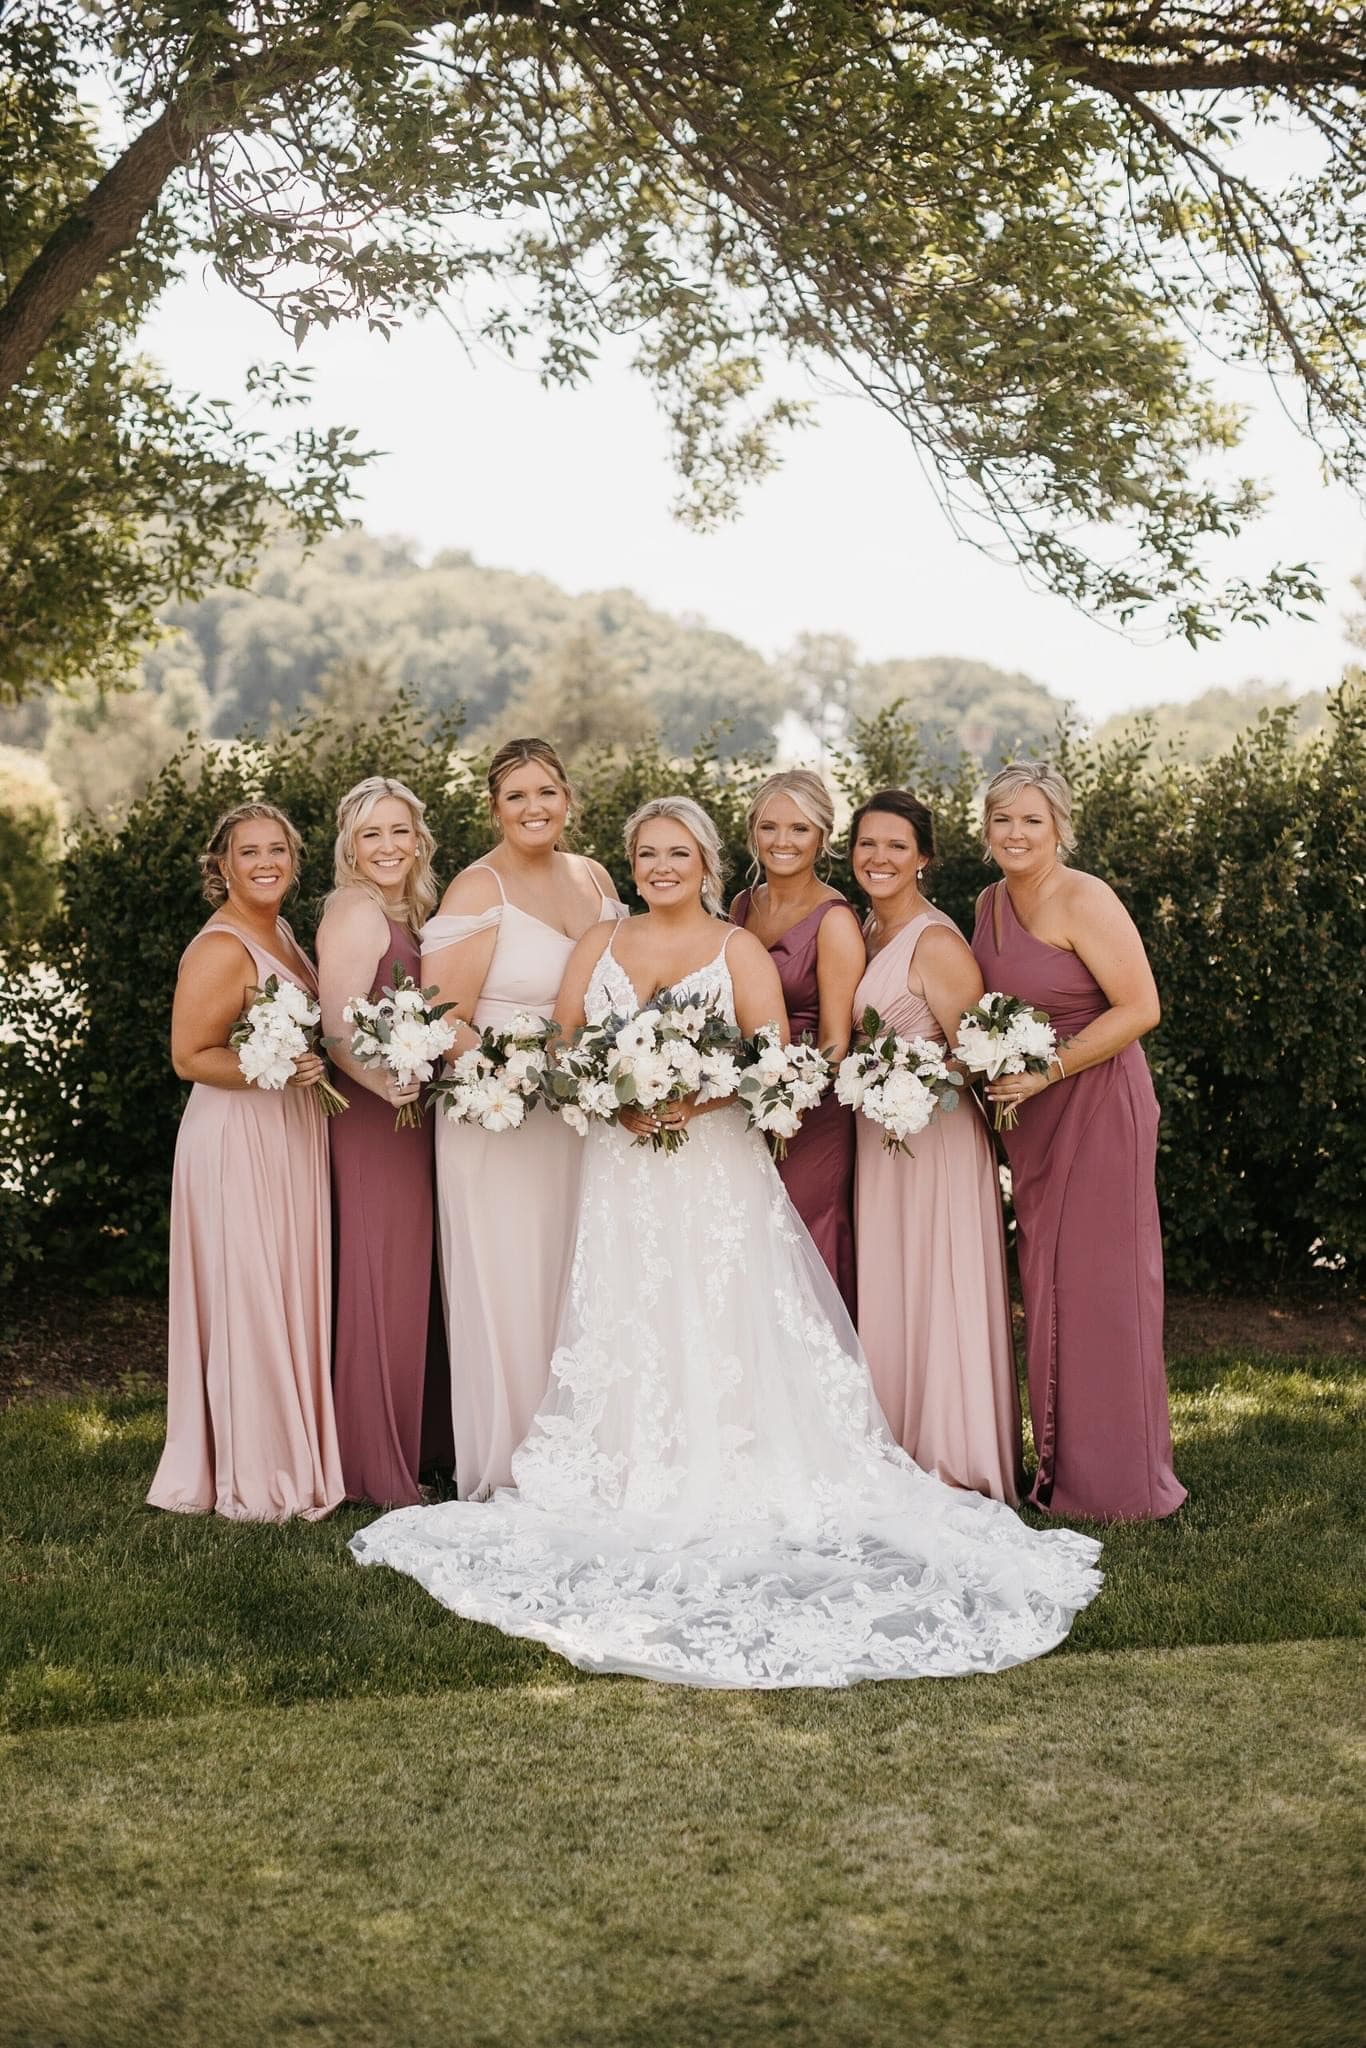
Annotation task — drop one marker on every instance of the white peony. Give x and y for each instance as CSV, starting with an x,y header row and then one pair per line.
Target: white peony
x,y
1032,1037
502,1107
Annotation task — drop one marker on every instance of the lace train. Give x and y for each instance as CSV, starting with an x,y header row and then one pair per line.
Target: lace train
x,y
709,1493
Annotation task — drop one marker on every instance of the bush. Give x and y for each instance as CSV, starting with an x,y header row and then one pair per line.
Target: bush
x,y
30,843
1245,878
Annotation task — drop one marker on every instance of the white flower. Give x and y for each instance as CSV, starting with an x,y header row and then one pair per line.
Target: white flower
x,y
685,1061
598,1098
526,1024
502,1108
1032,1037
690,1018
575,1118
781,1119
639,1035
653,1078
851,1081
771,1065
523,1067
720,1076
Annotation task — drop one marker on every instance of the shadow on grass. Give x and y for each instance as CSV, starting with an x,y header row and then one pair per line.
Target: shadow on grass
x,y
112,1610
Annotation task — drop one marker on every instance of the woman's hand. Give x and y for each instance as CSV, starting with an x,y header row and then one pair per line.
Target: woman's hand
x,y
309,1069
1017,1088
398,1092
667,1116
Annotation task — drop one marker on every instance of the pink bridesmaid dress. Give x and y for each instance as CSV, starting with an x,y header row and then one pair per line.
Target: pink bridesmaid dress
x,y
934,1309
249,1421
390,1380
818,1171
507,1213
1083,1162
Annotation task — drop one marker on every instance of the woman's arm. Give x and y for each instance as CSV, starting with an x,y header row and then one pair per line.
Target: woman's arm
x,y
758,986
1104,938
841,957
577,975
948,976
211,992
458,971
351,943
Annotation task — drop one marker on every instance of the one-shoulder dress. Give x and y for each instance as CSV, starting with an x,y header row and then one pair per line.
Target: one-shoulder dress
x,y
507,1210
934,1305
249,1421
818,1171
1083,1164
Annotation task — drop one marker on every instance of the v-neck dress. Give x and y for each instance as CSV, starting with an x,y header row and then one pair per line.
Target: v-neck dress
x,y
818,1171
934,1306
507,1210
249,1421
1083,1160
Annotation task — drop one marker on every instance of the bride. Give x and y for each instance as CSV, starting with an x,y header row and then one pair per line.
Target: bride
x,y
709,1493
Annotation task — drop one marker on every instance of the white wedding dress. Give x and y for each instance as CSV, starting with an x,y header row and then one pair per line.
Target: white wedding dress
x,y
709,1493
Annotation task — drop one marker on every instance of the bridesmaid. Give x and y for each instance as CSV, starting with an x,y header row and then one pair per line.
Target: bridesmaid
x,y
934,1310
249,1427
1082,1160
389,1374
814,939
508,1201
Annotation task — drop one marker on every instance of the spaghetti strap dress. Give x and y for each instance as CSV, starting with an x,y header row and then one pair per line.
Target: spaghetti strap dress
x,y
249,1419
390,1378
1083,1164
818,1171
507,1211
934,1305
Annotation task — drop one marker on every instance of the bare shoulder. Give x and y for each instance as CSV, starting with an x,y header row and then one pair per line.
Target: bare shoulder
x,y
598,874
227,962
474,889
1090,903
589,949
942,942
351,912
840,934
746,952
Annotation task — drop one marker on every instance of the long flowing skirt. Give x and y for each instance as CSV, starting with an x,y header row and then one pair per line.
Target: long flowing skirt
x,y
709,1493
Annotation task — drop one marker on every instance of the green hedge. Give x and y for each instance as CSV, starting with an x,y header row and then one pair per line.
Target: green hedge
x,y
1245,877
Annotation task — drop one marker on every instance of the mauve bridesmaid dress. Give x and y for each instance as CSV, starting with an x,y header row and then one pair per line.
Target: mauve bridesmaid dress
x,y
934,1307
818,1171
249,1421
390,1380
507,1214
1083,1161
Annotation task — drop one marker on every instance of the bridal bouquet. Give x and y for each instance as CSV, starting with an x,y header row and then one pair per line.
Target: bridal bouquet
x,y
404,1031
897,1083
778,1083
496,1082
1003,1035
279,1023
667,1051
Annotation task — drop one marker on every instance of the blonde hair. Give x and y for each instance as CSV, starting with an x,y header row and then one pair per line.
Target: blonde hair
x,y
1051,784
807,791
519,754
220,845
419,887
690,814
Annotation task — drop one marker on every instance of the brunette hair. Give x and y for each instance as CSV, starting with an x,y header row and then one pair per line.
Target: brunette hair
x,y
220,844
1052,786
518,754
688,813
902,805
419,890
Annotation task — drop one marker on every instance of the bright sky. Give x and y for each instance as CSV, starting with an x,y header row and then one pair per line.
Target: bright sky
x,y
846,537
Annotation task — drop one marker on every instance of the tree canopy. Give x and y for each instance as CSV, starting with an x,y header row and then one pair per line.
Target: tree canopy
x,y
1003,223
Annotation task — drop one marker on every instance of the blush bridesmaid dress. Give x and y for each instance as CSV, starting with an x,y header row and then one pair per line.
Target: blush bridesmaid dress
x,y
390,1380
818,1171
507,1212
249,1420
1083,1164
934,1308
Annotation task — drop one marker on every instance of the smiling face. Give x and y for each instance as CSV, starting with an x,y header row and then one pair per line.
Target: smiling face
x,y
531,807
1022,835
667,864
258,866
787,842
886,856
384,846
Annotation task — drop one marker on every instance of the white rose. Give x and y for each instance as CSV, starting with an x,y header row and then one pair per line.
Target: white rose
x,y
575,1118
851,1081
782,1119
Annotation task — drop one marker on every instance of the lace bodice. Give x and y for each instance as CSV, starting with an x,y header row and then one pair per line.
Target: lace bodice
x,y
610,991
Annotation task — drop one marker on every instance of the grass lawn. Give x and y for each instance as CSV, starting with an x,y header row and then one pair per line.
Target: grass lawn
x,y
251,1793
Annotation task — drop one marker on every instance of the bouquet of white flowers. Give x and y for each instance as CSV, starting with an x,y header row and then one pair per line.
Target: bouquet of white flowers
x,y
1003,1035
669,1050
280,1021
897,1083
778,1083
404,1031
497,1081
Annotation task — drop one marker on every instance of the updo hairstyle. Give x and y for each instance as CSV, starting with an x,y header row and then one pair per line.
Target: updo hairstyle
x,y
518,754
807,791
220,843
686,812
